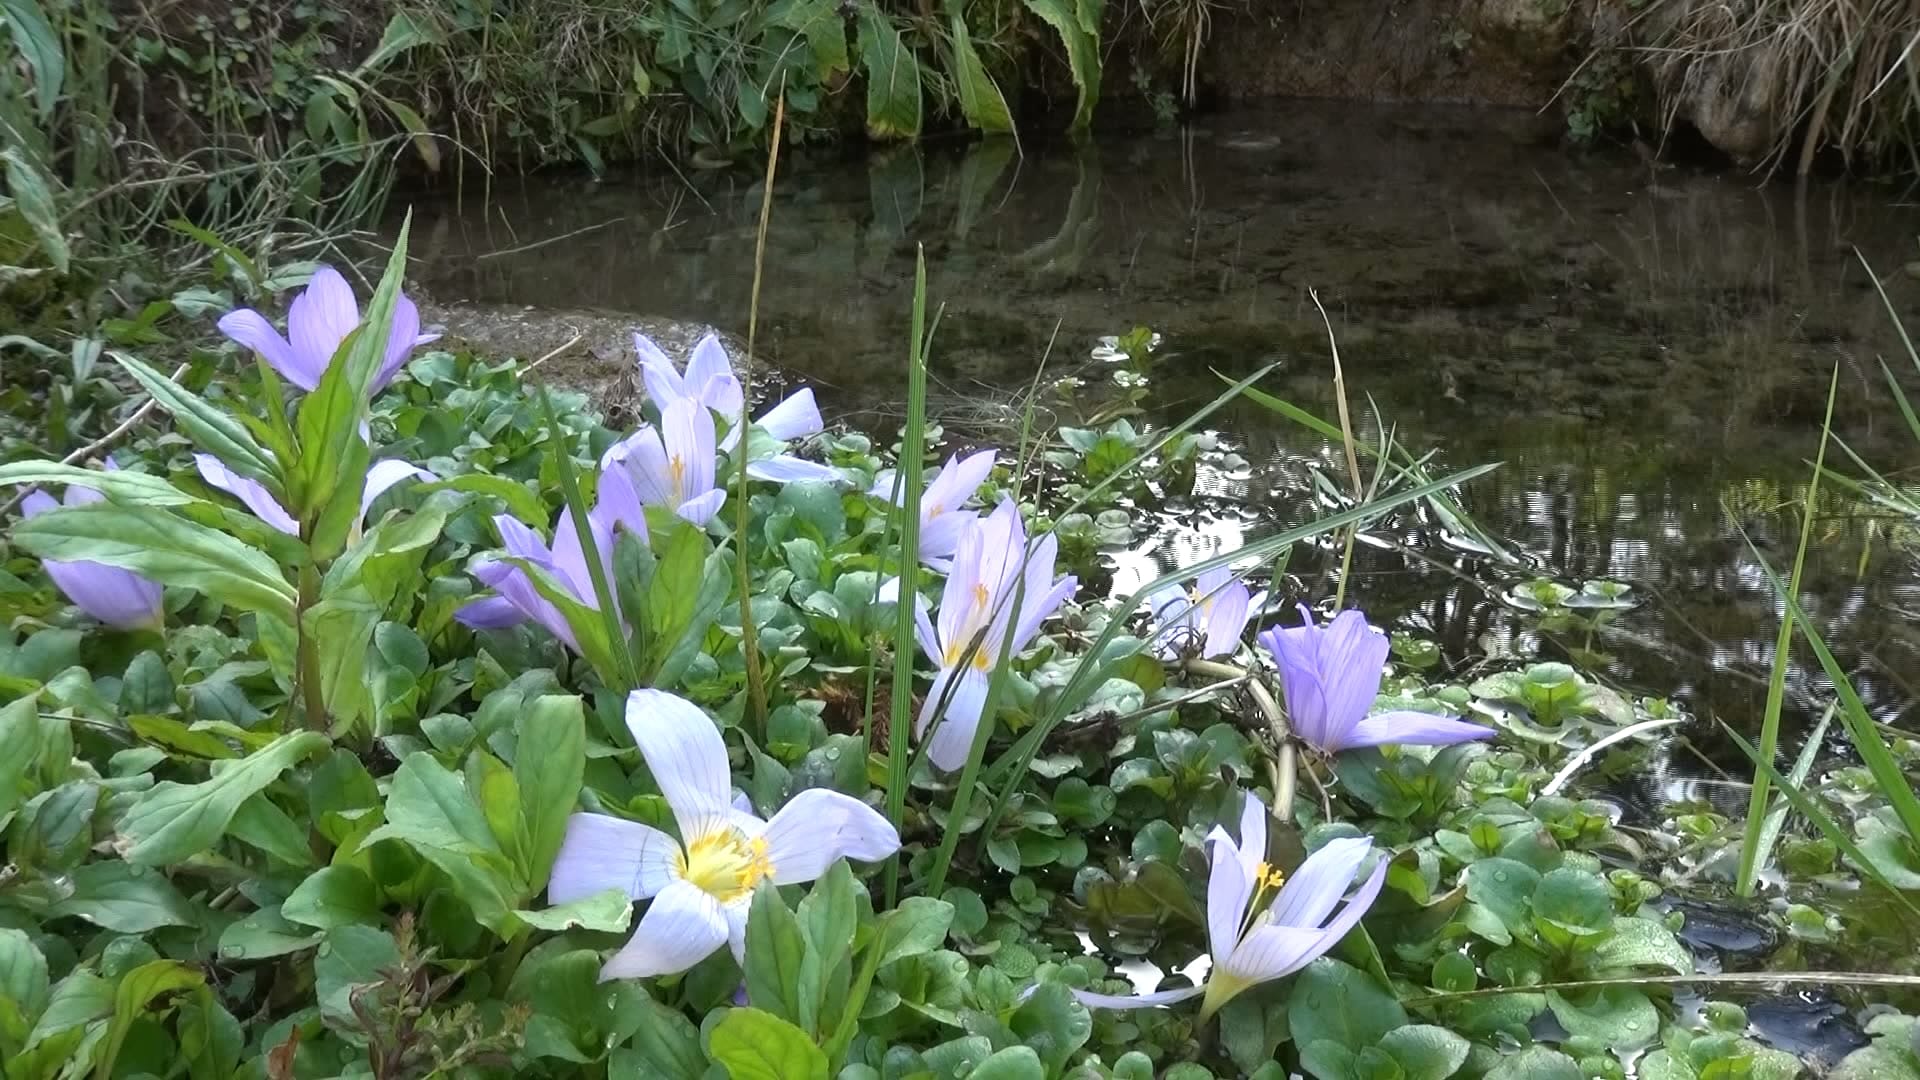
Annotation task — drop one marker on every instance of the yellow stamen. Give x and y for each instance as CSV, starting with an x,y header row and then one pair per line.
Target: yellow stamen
x,y
724,864
677,472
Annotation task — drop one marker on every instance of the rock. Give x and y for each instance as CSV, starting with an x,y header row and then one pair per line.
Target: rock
x,y
1532,33
1734,99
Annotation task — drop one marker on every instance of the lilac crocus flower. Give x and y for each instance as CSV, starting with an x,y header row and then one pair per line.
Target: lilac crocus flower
x,y
943,516
1331,674
991,563
1262,925
702,883
565,563
671,466
117,597
1205,619
318,320
709,379
381,476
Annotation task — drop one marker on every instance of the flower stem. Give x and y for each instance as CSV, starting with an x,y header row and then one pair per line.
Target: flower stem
x,y
1286,761
307,651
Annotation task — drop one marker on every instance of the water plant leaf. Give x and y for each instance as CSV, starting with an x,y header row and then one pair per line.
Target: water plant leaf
x,y
1342,1004
1634,942
1621,1017
1083,51
1537,1063
172,821
1424,1051
164,547
752,1044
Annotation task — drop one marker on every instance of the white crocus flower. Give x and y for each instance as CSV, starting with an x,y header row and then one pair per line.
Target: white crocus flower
x,y
702,884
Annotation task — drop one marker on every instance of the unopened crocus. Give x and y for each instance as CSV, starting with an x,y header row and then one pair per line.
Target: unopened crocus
x,y
1331,675
701,883
943,513
380,476
709,379
1203,619
318,320
1262,925
991,564
672,466
117,597
565,563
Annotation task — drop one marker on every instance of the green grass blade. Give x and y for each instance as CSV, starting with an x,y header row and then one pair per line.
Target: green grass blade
x,y
1900,399
1912,353
1749,869
1860,725
628,676
1802,767
912,478
1821,819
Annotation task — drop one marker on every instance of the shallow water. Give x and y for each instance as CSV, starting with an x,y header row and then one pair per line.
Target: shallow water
x,y
1646,349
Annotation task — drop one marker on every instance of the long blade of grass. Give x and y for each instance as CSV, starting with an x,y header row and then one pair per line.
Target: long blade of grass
x,y
749,633
912,477
1011,765
1749,870
1860,725
1900,327
628,676
1725,978
1802,768
1820,818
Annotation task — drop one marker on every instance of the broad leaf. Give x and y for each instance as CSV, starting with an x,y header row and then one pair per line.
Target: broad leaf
x,y
755,1045
212,429
893,77
172,821
1083,51
430,810
980,99
548,763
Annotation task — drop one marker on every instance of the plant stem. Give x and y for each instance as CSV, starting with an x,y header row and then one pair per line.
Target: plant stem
x,y
308,651
1286,766
756,717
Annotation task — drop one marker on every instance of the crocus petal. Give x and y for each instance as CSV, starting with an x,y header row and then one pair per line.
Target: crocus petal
x,y
701,509
922,623
250,328
1135,1001
818,826
1229,890
1033,611
959,479
383,475
489,613
402,336
110,594
602,852
619,504
1253,834
37,502
1353,659
953,738
708,361
1226,619
736,915
682,926
940,536
723,395
1274,951
1410,728
795,417
264,506
517,589
687,758
644,458
570,556
319,319
1310,894
787,469
662,380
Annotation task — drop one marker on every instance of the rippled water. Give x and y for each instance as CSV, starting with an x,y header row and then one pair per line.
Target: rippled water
x,y
1645,349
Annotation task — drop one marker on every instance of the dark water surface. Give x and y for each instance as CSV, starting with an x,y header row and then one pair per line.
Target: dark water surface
x,y
1646,349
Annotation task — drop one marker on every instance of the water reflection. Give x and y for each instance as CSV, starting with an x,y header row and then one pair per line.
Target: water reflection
x,y
1647,351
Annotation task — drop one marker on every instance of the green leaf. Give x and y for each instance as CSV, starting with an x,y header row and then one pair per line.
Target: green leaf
x,y
1343,1004
39,44
1013,1063
775,948
980,99
333,896
665,1045
609,912
1640,943
343,625
350,957
1425,1052
261,823
211,429
163,547
1504,887
172,821
1083,52
919,925
1574,901
123,897
120,485
1619,1017
893,77
19,749
403,32
755,1045
265,934
1537,1063
548,764
33,198
430,810
23,985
